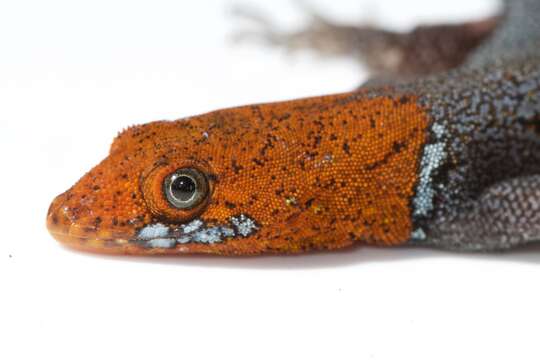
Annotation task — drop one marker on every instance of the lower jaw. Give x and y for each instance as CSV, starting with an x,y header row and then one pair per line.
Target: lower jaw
x,y
106,246
121,246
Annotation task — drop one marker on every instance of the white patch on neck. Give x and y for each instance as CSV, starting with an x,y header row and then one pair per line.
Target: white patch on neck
x,y
433,158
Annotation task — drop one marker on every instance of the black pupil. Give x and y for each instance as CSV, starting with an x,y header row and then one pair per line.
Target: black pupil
x,y
183,188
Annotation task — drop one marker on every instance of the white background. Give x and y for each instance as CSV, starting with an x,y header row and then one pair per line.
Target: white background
x,y
73,73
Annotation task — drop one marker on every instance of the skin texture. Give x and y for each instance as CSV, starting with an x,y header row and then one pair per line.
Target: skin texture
x,y
317,173
448,160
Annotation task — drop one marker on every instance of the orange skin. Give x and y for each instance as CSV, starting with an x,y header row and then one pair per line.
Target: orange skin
x,y
318,173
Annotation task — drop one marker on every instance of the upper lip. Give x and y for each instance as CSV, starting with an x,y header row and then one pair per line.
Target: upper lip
x,y
59,223
62,225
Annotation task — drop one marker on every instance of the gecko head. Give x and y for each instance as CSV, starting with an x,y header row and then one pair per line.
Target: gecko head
x,y
206,184
275,178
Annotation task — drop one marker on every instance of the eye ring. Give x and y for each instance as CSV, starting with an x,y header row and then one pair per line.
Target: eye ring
x,y
185,188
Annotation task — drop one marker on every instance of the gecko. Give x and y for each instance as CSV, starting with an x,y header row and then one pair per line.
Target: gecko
x,y
439,149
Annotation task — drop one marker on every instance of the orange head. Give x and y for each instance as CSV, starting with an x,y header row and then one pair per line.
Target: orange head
x,y
285,177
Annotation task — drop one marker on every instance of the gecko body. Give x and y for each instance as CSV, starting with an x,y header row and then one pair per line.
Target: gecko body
x,y
445,156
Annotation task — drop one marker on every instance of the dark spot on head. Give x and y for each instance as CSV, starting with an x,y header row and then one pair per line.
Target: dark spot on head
x,y
347,148
235,167
258,162
284,117
230,205
398,146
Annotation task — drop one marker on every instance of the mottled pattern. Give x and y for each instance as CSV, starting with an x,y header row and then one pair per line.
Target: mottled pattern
x,y
503,216
485,132
490,113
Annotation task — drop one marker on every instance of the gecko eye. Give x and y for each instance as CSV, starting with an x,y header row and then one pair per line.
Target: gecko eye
x,y
185,188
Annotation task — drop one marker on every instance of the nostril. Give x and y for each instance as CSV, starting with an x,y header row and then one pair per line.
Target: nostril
x,y
56,215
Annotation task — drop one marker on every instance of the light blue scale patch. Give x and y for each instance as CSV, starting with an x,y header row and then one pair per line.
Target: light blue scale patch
x,y
161,243
192,226
244,225
418,235
433,158
227,232
211,235
153,231
157,235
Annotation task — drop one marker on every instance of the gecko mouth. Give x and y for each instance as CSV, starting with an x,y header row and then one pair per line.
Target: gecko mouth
x,y
158,235
65,227
155,237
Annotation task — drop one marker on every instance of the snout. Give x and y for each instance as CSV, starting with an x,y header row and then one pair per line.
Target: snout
x,y
65,225
58,221
68,222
